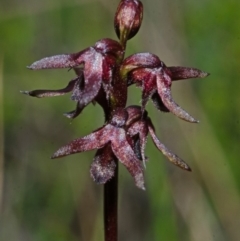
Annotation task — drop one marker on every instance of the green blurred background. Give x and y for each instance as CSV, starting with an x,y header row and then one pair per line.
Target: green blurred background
x,y
43,199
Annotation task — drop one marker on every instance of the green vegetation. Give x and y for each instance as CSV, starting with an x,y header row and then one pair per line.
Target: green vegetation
x,y
45,199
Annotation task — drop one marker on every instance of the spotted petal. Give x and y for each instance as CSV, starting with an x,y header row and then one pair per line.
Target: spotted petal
x,y
95,140
178,73
145,78
163,88
51,93
103,166
124,152
58,61
117,138
93,62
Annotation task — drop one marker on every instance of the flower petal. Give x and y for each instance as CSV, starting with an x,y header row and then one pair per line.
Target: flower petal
x,y
108,47
51,93
55,62
148,88
140,60
119,117
92,141
123,151
73,114
165,151
178,73
140,128
103,167
93,62
164,91
146,78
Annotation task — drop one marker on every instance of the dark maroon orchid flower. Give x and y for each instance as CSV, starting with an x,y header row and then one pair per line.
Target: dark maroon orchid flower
x,y
125,133
95,75
139,125
112,134
155,78
123,138
103,76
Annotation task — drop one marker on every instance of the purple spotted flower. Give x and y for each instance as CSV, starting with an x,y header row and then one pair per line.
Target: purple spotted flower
x,y
95,68
103,76
100,77
123,138
155,79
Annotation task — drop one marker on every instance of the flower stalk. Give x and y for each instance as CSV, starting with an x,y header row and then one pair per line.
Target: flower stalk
x,y
110,208
103,76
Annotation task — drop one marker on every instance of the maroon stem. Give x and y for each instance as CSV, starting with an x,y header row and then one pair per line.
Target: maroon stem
x,y
111,208
117,99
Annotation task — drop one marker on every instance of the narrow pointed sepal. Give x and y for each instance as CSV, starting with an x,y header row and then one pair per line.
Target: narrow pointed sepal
x,y
179,73
95,140
54,62
51,93
73,114
164,92
124,152
165,151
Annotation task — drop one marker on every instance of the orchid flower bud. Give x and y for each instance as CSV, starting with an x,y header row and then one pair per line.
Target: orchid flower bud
x,y
128,19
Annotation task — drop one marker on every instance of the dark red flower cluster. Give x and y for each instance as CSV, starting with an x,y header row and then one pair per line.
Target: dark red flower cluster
x,y
103,76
